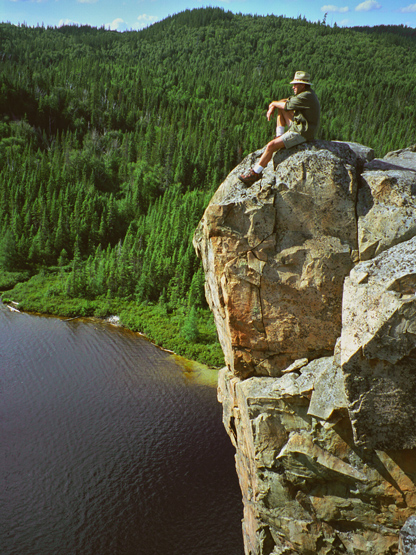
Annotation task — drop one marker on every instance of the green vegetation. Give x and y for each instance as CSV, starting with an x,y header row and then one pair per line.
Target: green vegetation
x,y
111,146
189,332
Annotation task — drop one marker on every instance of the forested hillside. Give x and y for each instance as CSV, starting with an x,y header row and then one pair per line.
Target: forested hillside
x,y
111,144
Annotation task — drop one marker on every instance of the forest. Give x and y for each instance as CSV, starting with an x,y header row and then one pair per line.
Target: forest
x,y
112,144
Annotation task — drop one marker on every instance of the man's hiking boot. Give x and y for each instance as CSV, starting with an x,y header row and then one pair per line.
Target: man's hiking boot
x,y
249,177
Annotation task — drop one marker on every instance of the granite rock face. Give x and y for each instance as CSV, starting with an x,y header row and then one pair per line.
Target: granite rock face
x,y
386,205
311,277
275,257
378,348
407,543
307,487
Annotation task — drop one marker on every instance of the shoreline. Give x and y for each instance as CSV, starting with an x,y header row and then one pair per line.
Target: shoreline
x,y
113,320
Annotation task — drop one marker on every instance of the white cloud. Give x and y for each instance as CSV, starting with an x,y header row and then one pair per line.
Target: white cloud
x,y
367,6
330,8
67,22
408,9
145,20
117,25
87,1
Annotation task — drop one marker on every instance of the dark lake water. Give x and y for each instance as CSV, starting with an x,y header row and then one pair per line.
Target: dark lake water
x,y
109,446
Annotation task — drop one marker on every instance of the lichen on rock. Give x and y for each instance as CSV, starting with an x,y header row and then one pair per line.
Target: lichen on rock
x,y
275,257
311,277
378,348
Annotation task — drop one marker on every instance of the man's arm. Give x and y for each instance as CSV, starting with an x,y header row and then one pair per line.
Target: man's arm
x,y
280,104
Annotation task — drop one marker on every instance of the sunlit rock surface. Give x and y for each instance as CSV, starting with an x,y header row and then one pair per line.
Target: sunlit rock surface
x,y
307,487
386,205
407,541
311,277
275,257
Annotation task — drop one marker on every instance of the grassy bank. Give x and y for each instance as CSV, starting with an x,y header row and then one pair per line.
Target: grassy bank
x,y
188,332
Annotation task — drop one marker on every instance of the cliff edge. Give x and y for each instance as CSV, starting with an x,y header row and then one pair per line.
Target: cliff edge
x,y
311,277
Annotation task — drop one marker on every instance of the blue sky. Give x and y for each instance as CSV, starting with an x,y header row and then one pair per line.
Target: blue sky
x,y
123,15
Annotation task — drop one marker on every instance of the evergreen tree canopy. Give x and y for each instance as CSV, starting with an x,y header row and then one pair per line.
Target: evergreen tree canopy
x,y
111,144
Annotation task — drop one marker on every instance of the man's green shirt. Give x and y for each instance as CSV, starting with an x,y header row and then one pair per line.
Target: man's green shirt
x,y
307,113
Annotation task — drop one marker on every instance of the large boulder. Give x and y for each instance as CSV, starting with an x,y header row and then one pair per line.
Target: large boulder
x,y
407,537
275,256
307,487
386,205
378,348
311,276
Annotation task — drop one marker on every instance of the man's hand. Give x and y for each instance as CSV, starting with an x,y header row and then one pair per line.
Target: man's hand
x,y
276,104
270,111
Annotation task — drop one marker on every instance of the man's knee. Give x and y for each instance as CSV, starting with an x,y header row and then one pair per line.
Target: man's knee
x,y
275,144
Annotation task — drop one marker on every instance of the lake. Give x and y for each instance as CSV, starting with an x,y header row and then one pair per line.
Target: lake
x,y
109,445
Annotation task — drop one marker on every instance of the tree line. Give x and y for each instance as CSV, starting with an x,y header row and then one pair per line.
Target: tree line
x,y
111,144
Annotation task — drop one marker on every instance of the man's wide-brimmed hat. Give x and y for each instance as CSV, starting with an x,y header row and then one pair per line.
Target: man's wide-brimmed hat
x,y
301,77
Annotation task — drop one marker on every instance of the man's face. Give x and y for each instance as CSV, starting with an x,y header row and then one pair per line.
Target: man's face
x,y
298,87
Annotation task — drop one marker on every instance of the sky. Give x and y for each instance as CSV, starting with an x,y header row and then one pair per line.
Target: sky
x,y
123,15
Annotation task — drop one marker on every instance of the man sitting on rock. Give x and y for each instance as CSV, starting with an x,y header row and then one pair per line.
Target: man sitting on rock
x,y
300,112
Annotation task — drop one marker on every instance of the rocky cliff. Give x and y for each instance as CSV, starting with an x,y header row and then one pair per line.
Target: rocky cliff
x,y
311,277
